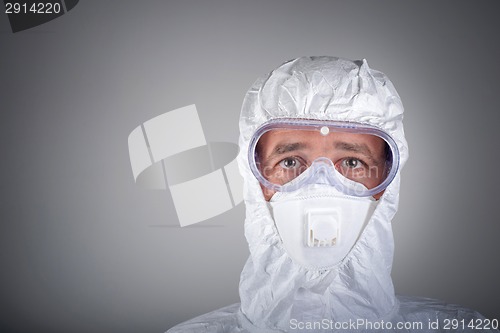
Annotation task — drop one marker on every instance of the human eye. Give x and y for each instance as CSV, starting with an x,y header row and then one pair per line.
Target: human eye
x,y
352,163
290,163
353,167
287,169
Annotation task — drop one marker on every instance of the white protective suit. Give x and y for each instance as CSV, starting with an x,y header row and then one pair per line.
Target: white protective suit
x,y
277,295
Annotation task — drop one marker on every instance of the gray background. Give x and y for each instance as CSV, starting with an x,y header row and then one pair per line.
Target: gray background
x,y
83,249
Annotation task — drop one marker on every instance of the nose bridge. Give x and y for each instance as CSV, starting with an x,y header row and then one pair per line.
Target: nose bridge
x,y
322,162
323,171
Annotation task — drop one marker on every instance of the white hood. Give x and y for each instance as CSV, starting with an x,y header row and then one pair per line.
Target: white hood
x,y
273,289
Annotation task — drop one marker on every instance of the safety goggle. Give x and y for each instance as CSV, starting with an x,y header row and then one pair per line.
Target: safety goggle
x,y
357,159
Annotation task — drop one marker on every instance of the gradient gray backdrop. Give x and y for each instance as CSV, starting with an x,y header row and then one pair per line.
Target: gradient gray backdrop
x,y
83,249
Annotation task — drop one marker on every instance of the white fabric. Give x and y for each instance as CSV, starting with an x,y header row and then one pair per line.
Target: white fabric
x,y
276,292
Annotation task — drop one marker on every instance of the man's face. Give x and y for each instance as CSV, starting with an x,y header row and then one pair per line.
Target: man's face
x,y
285,154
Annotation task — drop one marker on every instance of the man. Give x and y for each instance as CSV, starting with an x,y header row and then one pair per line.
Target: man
x,y
321,150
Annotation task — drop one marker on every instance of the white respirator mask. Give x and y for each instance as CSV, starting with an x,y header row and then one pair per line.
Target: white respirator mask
x,y
319,225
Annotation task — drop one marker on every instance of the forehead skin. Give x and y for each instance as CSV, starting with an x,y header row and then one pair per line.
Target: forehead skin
x,y
318,145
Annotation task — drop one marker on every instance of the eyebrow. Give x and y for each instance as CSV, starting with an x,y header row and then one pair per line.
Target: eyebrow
x,y
357,148
281,149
